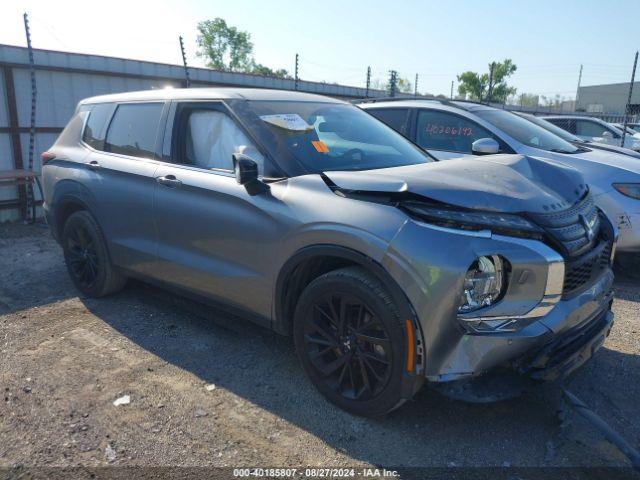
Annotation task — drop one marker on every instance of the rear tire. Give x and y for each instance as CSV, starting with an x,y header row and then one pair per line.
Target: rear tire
x,y
87,258
350,340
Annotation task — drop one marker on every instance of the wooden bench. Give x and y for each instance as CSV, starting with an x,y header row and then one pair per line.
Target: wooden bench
x,y
16,178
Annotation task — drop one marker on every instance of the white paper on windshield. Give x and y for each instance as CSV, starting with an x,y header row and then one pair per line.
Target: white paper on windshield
x,y
288,121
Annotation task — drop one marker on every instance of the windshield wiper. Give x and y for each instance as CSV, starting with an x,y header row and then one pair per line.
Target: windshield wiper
x,y
559,150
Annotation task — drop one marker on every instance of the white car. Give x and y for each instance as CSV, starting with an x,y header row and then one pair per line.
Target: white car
x,y
571,138
451,129
595,130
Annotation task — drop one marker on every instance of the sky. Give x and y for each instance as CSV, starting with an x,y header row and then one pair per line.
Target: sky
x,y
337,39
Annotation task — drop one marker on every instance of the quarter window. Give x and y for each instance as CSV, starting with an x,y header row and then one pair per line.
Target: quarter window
x,y
396,118
95,128
133,129
446,131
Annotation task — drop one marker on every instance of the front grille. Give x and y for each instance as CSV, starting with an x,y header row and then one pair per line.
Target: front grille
x,y
570,228
587,268
585,240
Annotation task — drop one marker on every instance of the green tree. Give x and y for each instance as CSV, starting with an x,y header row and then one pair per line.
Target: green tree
x,y
404,85
486,87
224,47
528,100
260,69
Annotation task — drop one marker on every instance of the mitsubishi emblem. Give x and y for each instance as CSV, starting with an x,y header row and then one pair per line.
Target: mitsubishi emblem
x,y
588,227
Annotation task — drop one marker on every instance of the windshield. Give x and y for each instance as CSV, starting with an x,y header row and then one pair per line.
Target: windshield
x,y
326,136
541,122
526,132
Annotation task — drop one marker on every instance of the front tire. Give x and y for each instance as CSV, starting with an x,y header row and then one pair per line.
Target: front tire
x,y
350,340
87,258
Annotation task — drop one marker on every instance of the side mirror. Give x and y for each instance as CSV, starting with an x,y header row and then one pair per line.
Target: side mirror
x,y
245,168
246,171
607,134
485,146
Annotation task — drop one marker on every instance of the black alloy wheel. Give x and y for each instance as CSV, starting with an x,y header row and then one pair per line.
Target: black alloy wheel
x,y
87,258
82,256
348,345
352,343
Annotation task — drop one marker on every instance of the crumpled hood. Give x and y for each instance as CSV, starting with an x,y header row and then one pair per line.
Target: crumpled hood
x,y
501,183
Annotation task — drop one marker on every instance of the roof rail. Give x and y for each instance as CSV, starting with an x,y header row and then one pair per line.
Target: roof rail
x,y
384,99
443,101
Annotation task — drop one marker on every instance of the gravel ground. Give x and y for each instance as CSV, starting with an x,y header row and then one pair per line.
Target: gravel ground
x,y
65,359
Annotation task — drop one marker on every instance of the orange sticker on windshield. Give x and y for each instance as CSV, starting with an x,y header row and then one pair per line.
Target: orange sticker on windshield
x,y
320,146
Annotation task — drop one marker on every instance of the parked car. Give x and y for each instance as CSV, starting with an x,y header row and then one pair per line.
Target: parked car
x,y
314,219
450,129
594,129
570,137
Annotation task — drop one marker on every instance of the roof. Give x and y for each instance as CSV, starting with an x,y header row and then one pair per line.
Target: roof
x,y
211,94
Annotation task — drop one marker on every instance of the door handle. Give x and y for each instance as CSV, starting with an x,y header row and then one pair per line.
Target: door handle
x,y
93,165
169,181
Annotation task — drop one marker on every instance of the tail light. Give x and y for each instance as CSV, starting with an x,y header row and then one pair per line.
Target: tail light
x,y
46,157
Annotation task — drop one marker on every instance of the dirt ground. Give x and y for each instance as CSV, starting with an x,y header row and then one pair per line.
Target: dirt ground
x,y
65,359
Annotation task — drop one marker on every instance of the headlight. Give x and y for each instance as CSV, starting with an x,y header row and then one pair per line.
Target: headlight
x,y
484,283
628,189
504,223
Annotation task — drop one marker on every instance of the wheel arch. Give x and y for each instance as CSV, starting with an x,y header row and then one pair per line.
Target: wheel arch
x,y
312,261
66,206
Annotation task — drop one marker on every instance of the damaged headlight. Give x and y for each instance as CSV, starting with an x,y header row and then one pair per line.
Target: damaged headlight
x,y
484,283
501,223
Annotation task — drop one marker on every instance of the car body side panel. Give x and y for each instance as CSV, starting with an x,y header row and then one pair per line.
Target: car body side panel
x,y
123,187
217,240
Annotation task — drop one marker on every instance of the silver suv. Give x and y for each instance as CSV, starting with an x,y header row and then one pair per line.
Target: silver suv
x,y
314,219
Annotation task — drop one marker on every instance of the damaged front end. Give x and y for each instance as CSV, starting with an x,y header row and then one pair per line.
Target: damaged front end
x,y
511,280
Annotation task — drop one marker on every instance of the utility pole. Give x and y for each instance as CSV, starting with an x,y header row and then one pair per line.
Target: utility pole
x,y
393,78
626,110
366,94
451,96
184,63
578,89
490,90
296,75
32,125
415,87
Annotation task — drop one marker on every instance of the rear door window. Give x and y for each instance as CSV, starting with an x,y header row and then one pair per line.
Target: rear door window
x,y
96,127
586,128
396,118
133,129
438,130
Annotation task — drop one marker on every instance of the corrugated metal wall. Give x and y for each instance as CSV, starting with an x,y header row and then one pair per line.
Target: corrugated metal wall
x,y
63,79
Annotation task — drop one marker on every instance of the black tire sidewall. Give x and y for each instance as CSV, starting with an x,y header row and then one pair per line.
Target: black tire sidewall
x,y
391,396
86,221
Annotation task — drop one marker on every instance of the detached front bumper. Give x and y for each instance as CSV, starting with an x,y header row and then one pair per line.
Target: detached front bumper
x,y
565,354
